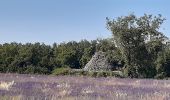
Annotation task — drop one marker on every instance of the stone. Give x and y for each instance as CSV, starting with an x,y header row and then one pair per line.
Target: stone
x,y
98,62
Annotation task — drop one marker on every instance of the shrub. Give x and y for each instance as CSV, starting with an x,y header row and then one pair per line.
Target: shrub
x,y
68,71
61,71
160,76
92,74
100,74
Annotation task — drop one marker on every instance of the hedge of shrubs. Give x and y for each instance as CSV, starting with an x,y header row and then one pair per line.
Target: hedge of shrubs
x,y
68,71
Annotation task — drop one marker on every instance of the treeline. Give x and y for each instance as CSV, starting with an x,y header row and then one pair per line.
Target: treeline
x,y
43,59
137,48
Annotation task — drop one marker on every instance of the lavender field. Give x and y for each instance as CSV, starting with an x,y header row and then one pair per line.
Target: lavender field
x,y
41,87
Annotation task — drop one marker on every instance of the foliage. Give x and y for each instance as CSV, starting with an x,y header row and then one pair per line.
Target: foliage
x,y
139,41
43,59
137,48
74,72
61,71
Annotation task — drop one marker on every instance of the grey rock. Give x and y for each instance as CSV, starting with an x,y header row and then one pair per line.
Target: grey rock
x,y
98,62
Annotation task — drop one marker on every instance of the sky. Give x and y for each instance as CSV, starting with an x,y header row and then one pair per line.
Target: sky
x,y
49,21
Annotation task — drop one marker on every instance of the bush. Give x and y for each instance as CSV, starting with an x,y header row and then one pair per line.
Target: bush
x,y
61,71
100,74
92,74
68,71
160,76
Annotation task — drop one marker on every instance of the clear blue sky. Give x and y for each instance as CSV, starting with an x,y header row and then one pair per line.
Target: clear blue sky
x,y
51,21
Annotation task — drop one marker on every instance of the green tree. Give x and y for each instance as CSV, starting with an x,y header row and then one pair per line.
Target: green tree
x,y
131,34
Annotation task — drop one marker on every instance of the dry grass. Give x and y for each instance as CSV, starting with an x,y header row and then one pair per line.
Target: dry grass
x,y
6,85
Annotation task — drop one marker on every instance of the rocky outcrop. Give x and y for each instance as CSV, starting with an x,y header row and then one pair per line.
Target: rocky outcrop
x,y
98,62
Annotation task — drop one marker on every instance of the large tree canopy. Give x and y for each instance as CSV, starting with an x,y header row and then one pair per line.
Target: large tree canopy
x,y
132,34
